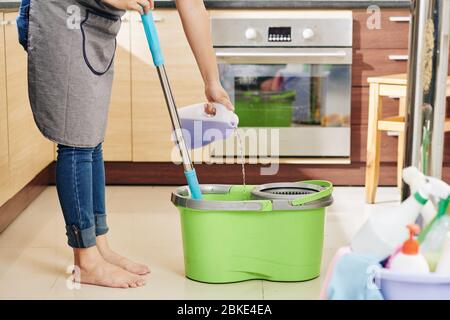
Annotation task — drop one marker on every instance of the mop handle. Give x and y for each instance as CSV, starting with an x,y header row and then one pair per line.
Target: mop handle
x,y
158,60
153,39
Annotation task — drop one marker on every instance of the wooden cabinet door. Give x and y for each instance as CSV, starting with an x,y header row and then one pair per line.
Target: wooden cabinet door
x,y
151,123
377,62
5,192
391,33
29,151
117,146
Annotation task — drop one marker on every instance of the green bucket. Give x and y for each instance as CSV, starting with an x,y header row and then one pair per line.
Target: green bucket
x,y
234,235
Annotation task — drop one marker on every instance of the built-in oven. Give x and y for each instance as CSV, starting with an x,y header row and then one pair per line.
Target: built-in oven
x,y
289,73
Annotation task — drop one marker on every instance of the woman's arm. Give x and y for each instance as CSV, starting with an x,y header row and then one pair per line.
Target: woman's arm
x,y
196,26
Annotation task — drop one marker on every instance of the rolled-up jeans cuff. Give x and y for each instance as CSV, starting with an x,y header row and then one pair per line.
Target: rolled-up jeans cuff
x,y
80,238
101,227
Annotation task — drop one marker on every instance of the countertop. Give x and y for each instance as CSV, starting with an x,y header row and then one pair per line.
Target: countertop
x,y
224,4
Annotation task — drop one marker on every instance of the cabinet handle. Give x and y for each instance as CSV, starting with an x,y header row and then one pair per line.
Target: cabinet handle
x,y
398,57
393,133
400,19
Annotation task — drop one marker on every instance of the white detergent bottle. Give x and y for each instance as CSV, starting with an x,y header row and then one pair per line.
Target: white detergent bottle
x,y
443,266
409,260
385,231
202,128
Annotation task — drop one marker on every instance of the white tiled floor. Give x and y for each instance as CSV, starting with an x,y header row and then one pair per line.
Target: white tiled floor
x,y
145,226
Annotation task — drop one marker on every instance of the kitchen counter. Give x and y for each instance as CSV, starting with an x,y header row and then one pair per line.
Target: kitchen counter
x,y
225,4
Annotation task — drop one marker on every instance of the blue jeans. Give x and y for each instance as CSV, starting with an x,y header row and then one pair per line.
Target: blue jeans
x,y
80,182
22,23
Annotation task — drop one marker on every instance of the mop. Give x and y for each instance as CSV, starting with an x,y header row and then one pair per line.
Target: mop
x,y
158,61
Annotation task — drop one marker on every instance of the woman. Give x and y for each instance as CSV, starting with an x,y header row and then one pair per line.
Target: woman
x,y
71,46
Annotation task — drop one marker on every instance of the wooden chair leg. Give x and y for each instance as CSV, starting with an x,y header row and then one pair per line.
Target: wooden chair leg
x,y
401,144
373,144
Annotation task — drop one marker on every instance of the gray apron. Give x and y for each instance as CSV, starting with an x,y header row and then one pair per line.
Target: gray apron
x,y
71,47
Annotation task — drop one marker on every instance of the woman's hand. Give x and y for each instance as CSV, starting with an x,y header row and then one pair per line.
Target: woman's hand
x,y
216,93
141,6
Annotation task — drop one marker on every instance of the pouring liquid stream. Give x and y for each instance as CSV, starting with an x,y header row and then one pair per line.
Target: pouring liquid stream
x,y
241,154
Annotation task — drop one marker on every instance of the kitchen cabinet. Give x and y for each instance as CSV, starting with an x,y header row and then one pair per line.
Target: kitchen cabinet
x,y
29,151
392,32
151,122
118,138
4,163
375,62
377,52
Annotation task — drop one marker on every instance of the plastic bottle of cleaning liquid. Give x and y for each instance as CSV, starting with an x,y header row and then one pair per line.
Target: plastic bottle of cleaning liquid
x,y
414,178
439,191
443,266
409,260
384,231
204,128
434,241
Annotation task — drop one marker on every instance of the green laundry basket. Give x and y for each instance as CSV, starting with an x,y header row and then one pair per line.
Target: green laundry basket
x,y
234,235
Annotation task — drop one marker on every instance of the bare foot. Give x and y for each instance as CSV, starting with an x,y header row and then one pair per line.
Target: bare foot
x,y
118,260
94,269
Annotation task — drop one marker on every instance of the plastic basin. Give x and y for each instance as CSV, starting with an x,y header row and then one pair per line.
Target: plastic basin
x,y
400,286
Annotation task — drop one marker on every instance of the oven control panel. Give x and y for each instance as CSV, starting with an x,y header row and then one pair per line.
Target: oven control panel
x,y
279,34
299,28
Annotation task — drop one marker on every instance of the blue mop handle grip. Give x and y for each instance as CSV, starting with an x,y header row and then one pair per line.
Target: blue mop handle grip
x,y
152,39
193,184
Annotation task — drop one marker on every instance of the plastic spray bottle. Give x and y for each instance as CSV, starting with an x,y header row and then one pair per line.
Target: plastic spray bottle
x,y
434,237
385,231
443,266
439,191
409,260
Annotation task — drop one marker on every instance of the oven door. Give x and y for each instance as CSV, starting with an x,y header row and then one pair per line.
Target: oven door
x,y
297,96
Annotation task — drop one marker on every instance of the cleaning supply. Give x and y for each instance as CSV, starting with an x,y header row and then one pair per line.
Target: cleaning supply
x,y
205,128
158,60
415,179
408,286
384,231
434,240
439,191
351,278
442,207
443,266
409,260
